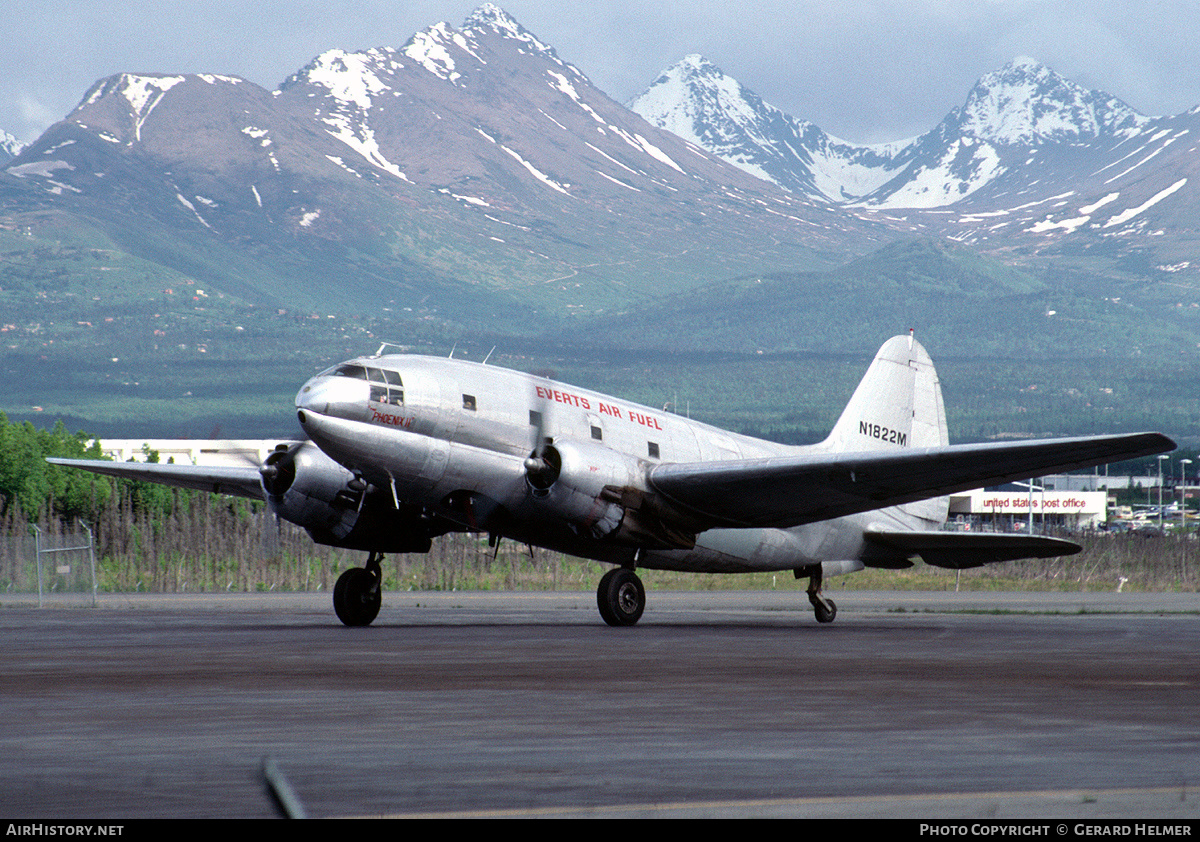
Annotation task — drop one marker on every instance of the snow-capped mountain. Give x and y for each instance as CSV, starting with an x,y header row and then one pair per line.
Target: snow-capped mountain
x,y
697,101
468,159
10,147
1027,103
474,168
1032,156
1029,158
1023,109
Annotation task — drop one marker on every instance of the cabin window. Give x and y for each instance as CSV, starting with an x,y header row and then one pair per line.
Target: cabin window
x,y
652,447
597,434
535,418
469,402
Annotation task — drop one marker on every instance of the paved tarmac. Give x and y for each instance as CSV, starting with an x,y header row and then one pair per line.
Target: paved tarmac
x,y
915,705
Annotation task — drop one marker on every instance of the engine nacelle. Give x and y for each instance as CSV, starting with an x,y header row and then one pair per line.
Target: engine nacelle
x,y
583,484
307,488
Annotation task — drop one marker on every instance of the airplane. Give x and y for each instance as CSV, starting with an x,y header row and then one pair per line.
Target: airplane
x,y
402,449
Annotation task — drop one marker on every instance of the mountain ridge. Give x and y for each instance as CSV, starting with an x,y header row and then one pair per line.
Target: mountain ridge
x,y
472,175
1024,104
471,160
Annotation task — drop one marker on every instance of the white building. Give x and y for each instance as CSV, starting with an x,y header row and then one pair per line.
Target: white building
x,y
1004,510
192,451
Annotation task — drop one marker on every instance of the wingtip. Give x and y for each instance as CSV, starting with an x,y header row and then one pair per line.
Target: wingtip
x,y
1165,443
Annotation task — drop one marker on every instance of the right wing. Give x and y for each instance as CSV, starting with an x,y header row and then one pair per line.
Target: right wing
x,y
239,480
786,491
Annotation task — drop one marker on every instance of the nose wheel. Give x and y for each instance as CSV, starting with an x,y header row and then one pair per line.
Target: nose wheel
x,y
621,597
358,594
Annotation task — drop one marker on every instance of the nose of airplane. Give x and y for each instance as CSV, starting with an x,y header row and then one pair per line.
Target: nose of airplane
x,y
340,397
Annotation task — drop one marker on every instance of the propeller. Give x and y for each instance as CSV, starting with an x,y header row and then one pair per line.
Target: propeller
x,y
544,462
278,470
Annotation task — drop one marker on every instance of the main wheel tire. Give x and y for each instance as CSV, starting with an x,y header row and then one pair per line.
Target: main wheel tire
x,y
356,598
621,597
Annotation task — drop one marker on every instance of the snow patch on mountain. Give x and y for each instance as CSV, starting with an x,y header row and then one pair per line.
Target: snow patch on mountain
x,y
187,204
350,78
38,169
361,138
536,173
429,50
143,93
1129,213
966,166
491,18
214,78
844,171
563,85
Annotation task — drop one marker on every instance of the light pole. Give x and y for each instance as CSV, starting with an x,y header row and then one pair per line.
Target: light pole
x,y
1029,507
1160,472
1183,494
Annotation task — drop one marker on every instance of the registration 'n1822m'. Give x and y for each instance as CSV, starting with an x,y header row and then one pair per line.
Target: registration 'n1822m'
x,y
877,431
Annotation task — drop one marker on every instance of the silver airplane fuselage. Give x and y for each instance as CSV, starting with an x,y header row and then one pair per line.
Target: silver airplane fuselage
x,y
404,449
453,437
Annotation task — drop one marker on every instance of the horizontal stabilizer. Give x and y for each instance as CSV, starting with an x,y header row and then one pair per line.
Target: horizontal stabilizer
x,y
958,550
239,480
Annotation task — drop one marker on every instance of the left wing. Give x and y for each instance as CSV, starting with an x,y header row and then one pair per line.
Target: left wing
x,y
790,490
239,480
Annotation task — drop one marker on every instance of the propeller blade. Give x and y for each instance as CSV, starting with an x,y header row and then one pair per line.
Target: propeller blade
x,y
543,464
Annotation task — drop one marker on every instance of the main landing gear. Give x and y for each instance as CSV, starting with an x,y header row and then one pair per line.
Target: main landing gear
x,y
358,593
621,597
823,607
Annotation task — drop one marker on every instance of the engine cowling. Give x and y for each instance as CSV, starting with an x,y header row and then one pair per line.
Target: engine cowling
x,y
307,488
583,484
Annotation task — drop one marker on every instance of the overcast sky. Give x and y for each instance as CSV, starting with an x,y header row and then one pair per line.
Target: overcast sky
x,y
865,71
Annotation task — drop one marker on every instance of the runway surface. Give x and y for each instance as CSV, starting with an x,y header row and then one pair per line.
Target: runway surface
x,y
912,705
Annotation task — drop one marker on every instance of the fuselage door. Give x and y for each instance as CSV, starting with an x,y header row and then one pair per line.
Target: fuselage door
x,y
435,419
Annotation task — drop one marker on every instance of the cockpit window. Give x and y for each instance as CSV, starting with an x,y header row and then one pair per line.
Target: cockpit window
x,y
355,371
386,386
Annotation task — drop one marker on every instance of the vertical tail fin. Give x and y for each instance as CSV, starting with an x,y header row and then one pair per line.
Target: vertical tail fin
x,y
898,404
